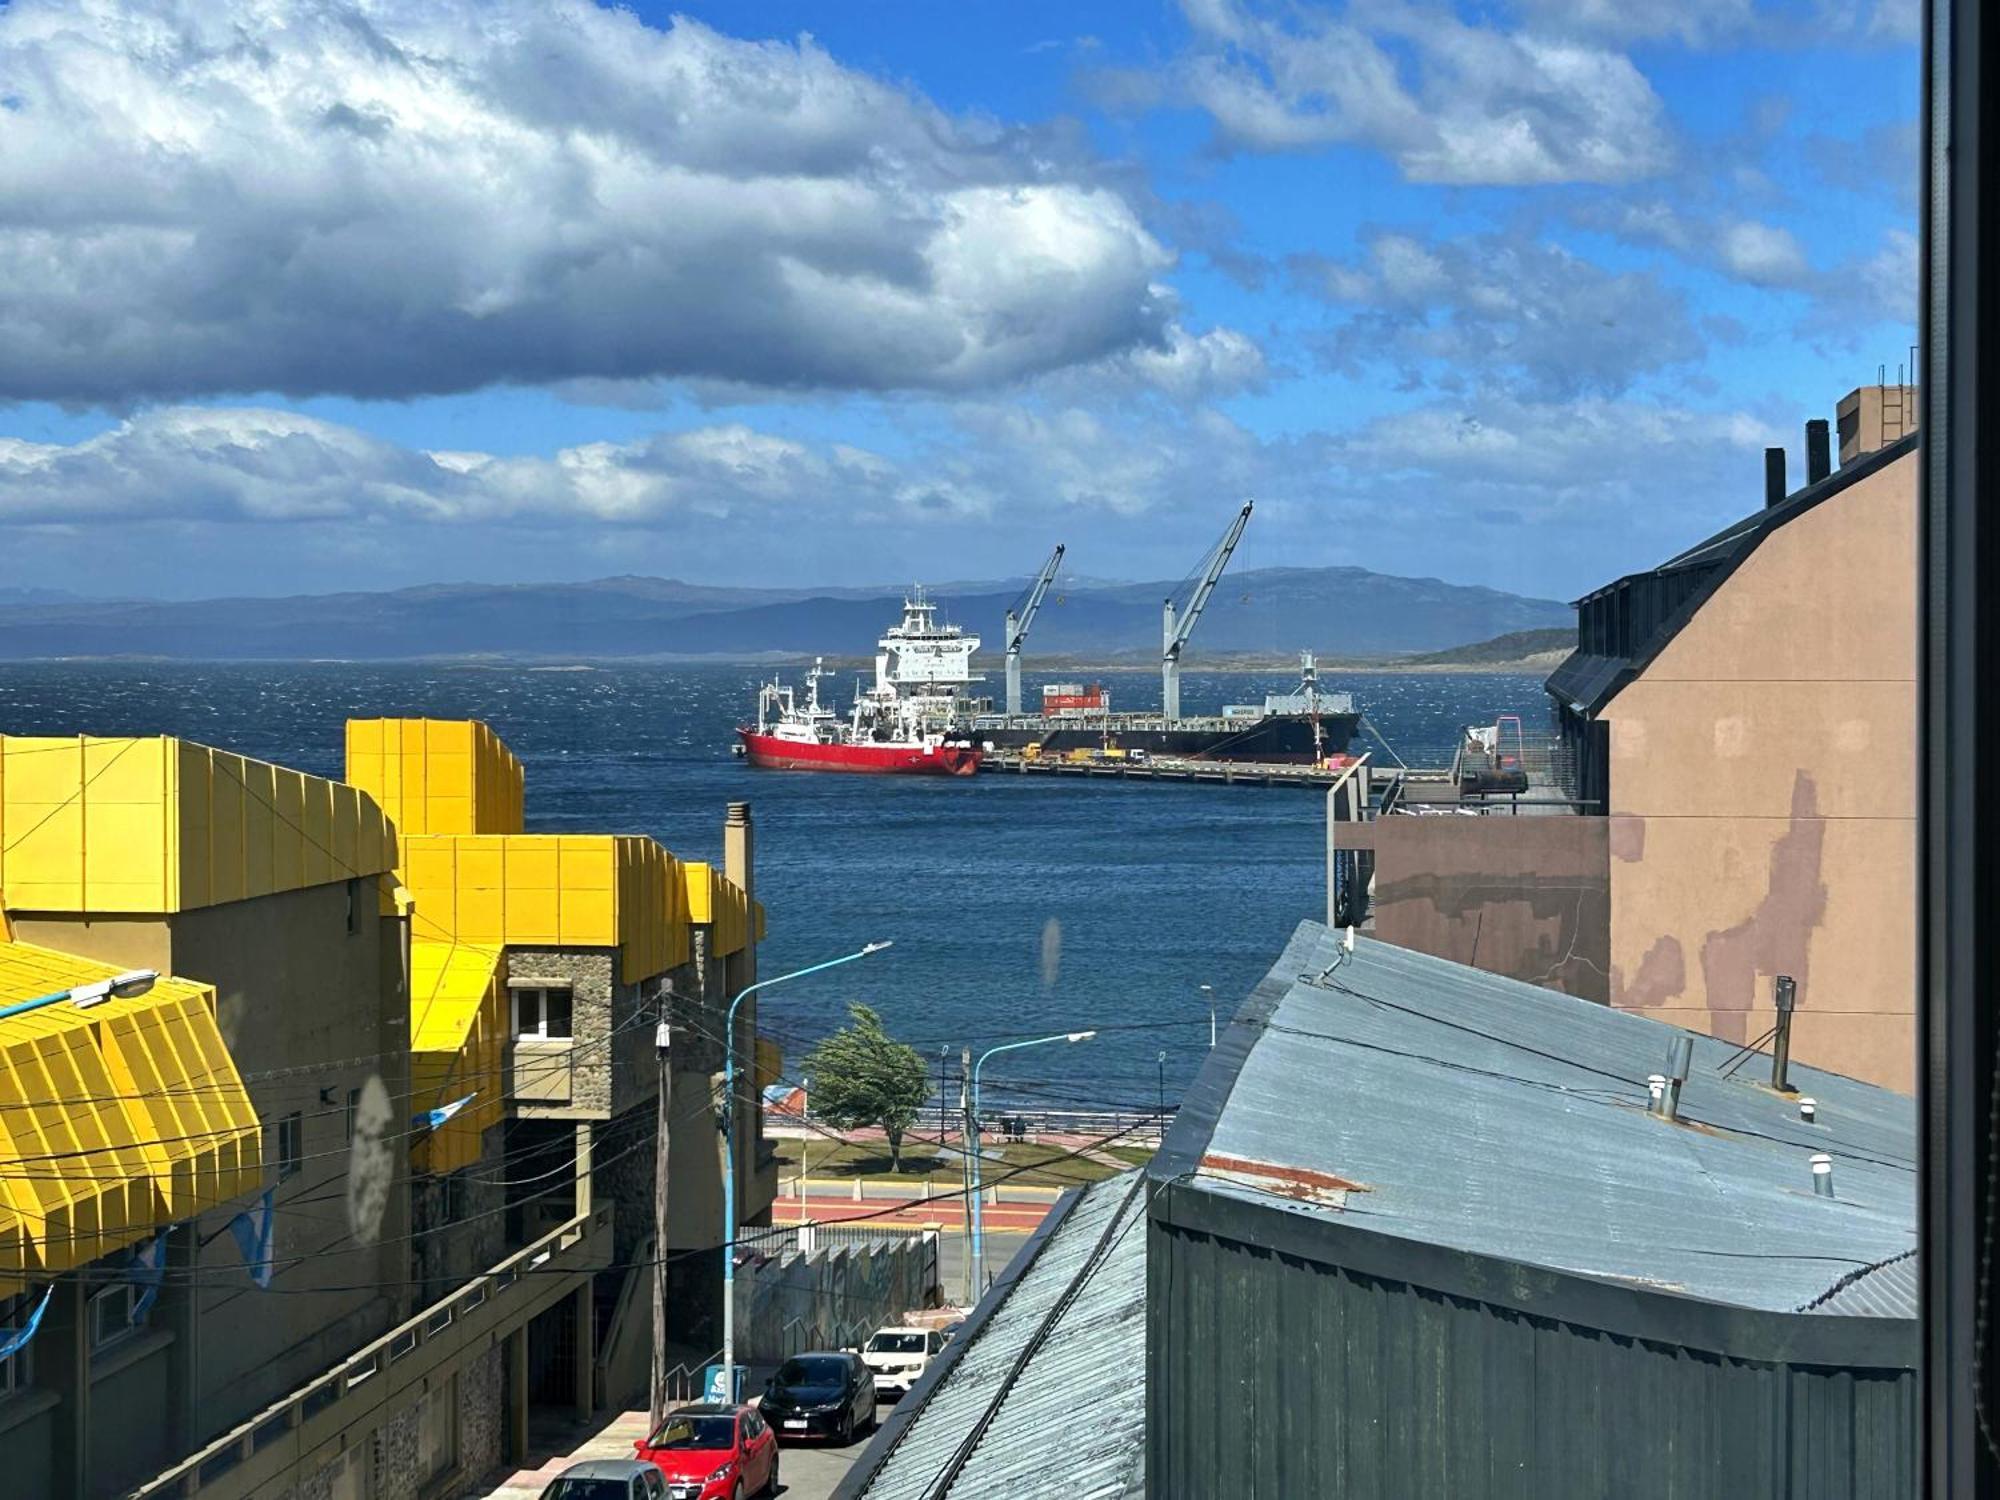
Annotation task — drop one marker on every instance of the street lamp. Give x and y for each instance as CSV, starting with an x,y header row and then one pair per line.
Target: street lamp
x,y
83,996
978,1240
1208,994
729,1151
1163,1095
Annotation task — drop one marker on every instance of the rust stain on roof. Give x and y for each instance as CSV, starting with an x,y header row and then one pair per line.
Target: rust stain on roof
x,y
1302,1184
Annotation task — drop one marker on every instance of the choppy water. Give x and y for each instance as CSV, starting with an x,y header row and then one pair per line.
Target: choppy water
x,y
1156,888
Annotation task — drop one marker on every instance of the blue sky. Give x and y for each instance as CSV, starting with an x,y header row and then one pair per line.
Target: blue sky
x,y
369,293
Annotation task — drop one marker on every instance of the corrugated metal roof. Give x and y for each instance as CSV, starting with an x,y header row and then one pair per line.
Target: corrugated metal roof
x,y
1885,1291
1481,1113
1072,1424
1584,680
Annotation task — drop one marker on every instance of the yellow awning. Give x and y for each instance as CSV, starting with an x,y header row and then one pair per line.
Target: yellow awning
x,y
113,1120
458,1031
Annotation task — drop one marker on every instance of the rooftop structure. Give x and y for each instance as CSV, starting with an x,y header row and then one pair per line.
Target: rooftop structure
x,y
1039,1397
1461,1250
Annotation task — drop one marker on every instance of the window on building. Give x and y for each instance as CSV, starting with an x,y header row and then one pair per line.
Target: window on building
x,y
542,1012
17,1370
353,907
286,1145
353,1112
114,1314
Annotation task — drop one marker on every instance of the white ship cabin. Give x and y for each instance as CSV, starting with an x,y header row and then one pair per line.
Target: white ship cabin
x,y
921,658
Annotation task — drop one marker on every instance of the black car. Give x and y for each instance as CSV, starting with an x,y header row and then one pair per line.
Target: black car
x,y
830,1394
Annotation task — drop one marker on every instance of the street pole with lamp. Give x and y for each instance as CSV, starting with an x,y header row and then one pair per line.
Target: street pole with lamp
x,y
1163,1095
1208,994
973,1147
83,996
729,1153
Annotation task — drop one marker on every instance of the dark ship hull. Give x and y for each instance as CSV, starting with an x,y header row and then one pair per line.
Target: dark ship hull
x,y
1277,739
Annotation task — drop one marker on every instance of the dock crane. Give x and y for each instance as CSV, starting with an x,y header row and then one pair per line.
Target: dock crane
x,y
1176,630
1017,628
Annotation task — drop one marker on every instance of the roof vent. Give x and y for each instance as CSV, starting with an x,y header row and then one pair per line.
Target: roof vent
x,y
1822,1170
1774,477
1809,1111
1819,451
1785,993
1666,1088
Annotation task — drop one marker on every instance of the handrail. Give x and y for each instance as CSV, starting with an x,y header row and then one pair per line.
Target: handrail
x,y
372,1358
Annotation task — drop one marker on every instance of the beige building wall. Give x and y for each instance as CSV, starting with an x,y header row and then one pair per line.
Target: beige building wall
x,y
1763,794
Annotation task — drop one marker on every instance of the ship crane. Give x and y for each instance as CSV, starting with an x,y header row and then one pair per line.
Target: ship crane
x,y
1176,630
1017,628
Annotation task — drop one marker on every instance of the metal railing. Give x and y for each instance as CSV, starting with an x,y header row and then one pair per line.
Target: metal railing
x,y
357,1376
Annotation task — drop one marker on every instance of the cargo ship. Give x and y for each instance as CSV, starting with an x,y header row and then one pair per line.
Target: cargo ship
x,y
883,737
1303,727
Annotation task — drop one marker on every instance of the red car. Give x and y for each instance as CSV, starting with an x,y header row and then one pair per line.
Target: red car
x,y
713,1452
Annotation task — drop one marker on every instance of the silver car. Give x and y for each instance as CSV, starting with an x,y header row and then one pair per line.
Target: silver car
x,y
608,1479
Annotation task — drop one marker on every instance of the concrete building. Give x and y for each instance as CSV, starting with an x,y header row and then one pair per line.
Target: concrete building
x,y
1738,727
286,1240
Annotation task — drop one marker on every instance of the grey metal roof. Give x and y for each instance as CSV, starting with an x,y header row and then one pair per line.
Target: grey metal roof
x,y
1885,1291
1584,679
1072,1424
1491,1116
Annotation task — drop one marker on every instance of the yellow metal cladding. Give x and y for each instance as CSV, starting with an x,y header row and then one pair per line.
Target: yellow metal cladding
x,y
437,775
114,1120
596,890
162,825
717,902
770,1062
458,1032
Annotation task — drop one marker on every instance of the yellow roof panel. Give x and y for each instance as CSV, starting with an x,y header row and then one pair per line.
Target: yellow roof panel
x,y
155,824
115,1119
437,775
458,1038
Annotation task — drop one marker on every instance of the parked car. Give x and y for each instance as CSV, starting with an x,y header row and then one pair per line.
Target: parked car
x,y
607,1479
829,1393
713,1452
899,1356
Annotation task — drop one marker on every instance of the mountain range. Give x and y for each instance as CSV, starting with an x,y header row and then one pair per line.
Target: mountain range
x,y
1270,611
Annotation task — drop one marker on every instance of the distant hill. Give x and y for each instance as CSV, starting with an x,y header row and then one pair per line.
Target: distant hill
x,y
1337,611
1515,645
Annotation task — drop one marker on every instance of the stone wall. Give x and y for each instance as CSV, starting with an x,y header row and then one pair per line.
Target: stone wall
x,y
836,1295
459,1221
482,1414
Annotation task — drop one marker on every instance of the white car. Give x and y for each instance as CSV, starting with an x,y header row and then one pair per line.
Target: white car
x,y
899,1357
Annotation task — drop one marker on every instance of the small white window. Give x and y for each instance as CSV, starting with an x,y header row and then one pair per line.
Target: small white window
x,y
542,1013
112,1314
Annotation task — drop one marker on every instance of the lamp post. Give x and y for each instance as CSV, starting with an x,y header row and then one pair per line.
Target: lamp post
x,y
1163,1095
729,1151
972,1126
83,996
1208,994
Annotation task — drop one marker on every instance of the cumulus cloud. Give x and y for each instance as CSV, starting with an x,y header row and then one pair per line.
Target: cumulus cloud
x,y
387,198
1449,102
1503,309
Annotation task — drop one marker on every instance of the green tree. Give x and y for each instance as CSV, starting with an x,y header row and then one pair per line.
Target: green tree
x,y
863,1076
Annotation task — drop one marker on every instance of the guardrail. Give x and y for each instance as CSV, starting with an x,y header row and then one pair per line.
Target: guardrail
x,y
367,1378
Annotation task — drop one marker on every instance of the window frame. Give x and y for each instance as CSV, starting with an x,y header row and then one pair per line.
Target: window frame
x,y
126,1295
289,1162
541,992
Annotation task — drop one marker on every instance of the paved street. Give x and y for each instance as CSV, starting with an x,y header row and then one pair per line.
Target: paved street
x,y
809,1473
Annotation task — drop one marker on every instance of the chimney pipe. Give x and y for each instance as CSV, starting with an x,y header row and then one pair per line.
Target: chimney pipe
x,y
1774,476
1809,1110
1822,1173
1667,1099
1819,451
1786,993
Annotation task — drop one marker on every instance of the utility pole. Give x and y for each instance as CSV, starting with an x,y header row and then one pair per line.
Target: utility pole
x,y
662,1045
965,1165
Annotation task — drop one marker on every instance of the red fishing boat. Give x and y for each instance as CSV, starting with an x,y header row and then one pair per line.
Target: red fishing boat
x,y
886,736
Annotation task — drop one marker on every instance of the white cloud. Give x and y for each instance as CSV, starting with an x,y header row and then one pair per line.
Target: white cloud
x,y
1450,102
1498,310
1761,254
395,197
